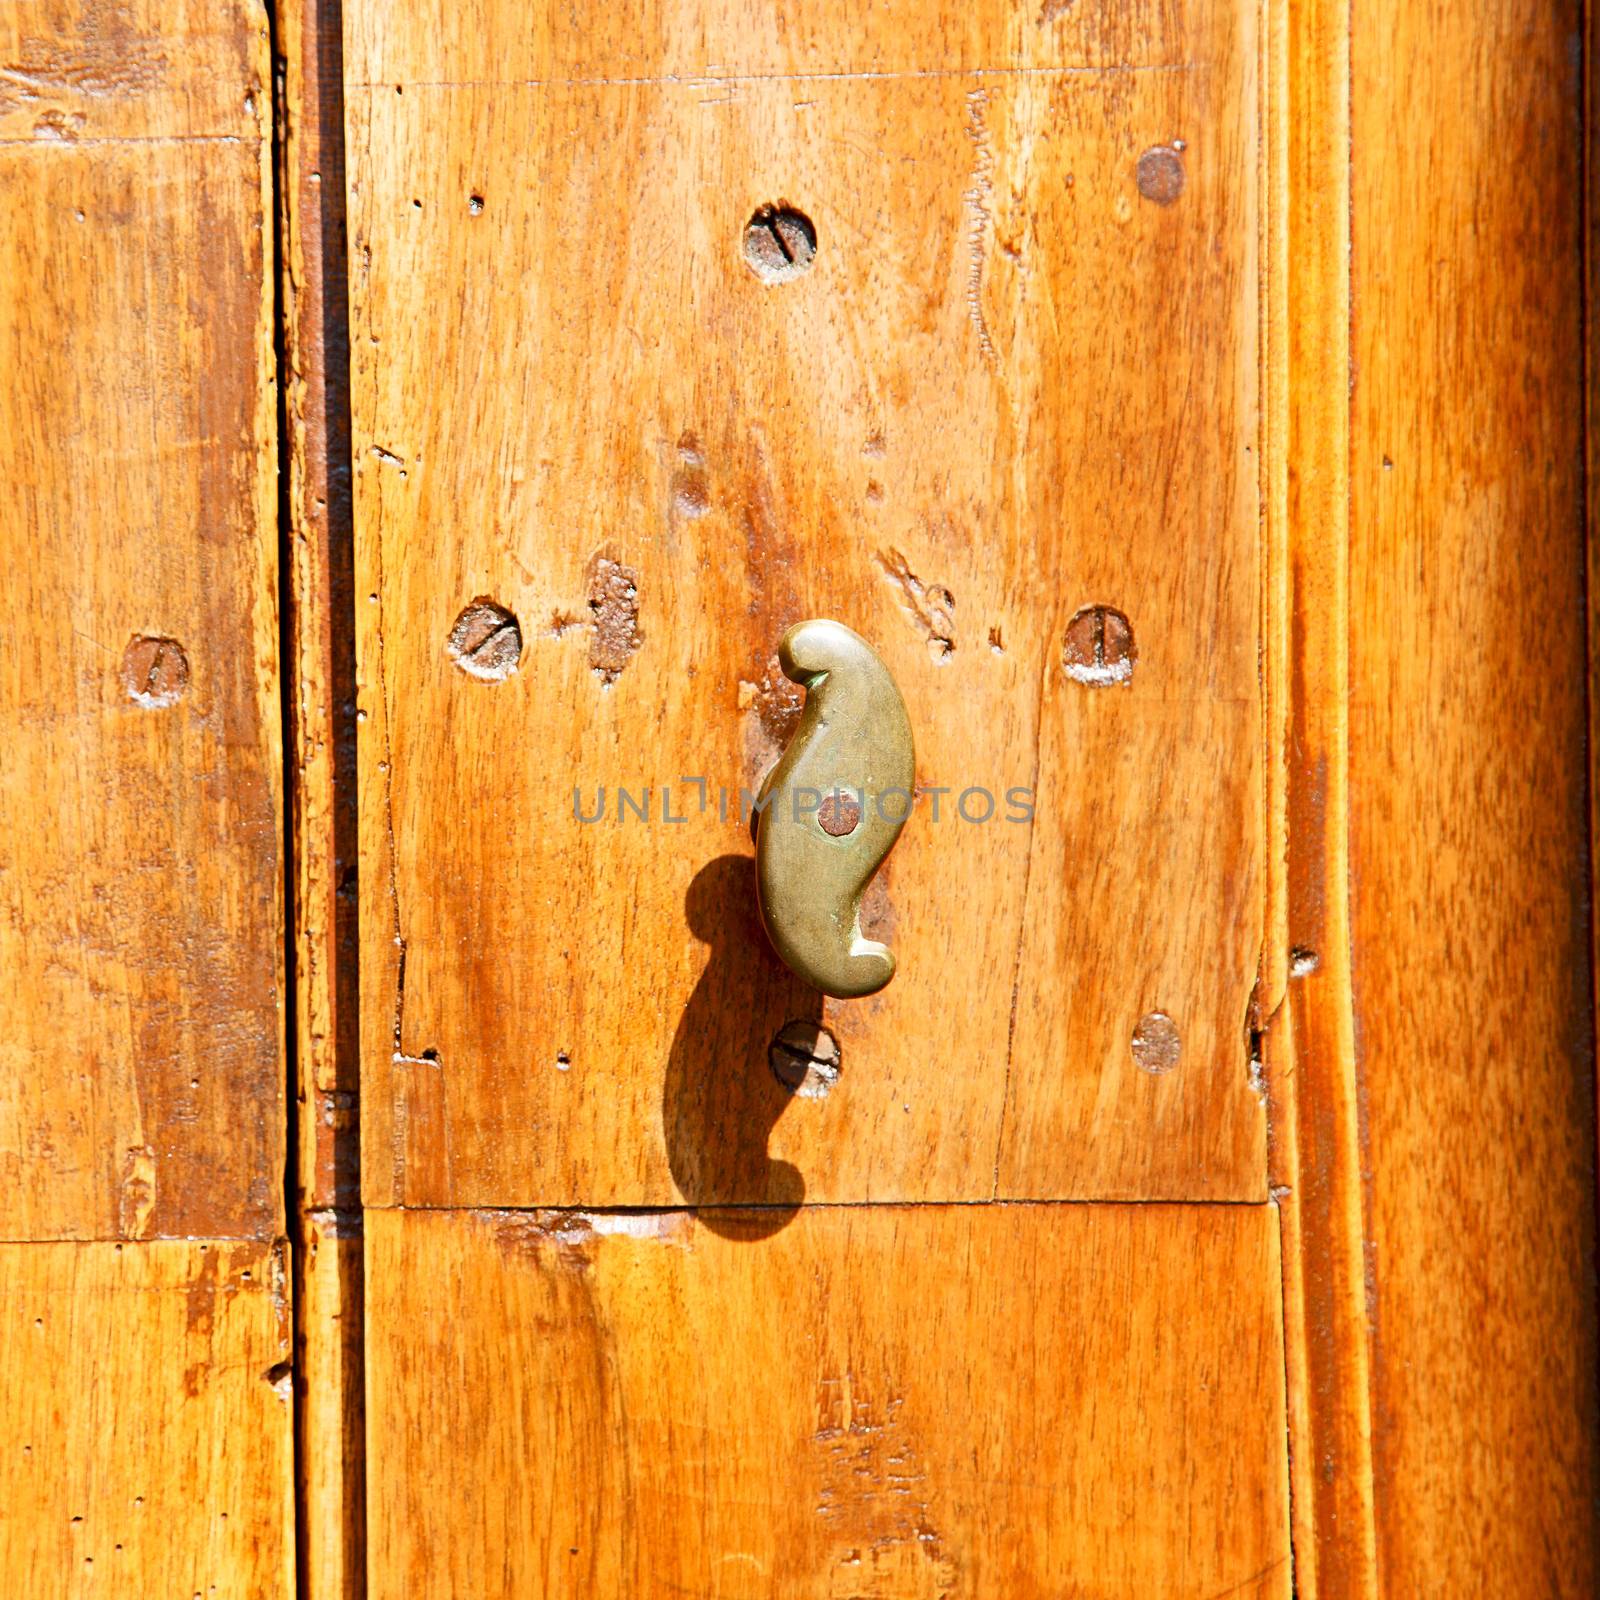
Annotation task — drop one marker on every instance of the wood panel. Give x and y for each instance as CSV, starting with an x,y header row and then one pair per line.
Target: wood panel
x,y
329,1336
322,601
330,1398
1034,1401
145,1438
82,72
1468,790
1307,1019
140,916
1018,380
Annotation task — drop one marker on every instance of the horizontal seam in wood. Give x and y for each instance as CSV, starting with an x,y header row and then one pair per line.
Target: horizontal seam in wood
x,y
690,80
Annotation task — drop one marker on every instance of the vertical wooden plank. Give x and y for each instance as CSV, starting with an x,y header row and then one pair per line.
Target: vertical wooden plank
x,y
321,597
140,907
329,1335
1591,396
1469,792
145,1421
145,1446
330,1397
1034,1401
1018,382
1308,1020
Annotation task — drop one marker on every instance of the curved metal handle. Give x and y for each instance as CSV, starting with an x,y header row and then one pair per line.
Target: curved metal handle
x,y
832,808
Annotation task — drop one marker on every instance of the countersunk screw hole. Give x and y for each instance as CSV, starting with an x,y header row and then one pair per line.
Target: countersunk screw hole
x,y
155,671
780,243
486,641
1099,647
804,1058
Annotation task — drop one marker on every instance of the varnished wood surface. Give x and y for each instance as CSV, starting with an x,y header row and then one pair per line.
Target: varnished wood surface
x,y
146,1422
1029,1401
1306,1013
140,913
80,73
145,1437
1468,794
1011,386
330,1396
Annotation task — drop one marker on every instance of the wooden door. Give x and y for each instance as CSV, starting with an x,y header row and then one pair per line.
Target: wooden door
x,y
426,1179
1016,383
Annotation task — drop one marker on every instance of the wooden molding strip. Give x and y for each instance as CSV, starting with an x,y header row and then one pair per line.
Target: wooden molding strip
x,y
320,685
1315,1152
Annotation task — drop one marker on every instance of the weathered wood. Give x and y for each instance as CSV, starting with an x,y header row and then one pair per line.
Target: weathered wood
x,y
329,1394
146,1438
145,1428
1018,380
321,673
140,912
1032,1401
1468,818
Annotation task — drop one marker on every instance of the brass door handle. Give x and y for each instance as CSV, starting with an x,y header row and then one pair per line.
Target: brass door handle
x,y
831,810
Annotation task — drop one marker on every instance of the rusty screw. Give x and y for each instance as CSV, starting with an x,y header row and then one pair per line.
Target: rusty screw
x,y
1099,647
486,641
1159,174
779,243
839,814
155,671
804,1058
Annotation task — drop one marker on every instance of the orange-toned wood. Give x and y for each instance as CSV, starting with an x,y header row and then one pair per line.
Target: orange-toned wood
x,y
145,1437
146,1429
322,599
321,692
1018,380
924,1401
1307,1018
1591,251
330,1395
140,908
1466,1058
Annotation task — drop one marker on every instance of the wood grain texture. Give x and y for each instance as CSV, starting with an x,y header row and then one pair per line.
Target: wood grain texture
x,y
140,912
145,1438
330,1396
1012,385
1591,268
1307,1022
83,72
329,1339
321,674
1037,1401
1468,789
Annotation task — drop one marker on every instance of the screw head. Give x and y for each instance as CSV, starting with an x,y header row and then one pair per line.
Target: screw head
x,y
486,641
804,1058
1160,174
1099,648
840,814
155,671
780,243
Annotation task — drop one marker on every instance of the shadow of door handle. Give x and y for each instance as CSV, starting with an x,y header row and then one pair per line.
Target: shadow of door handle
x,y
832,808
